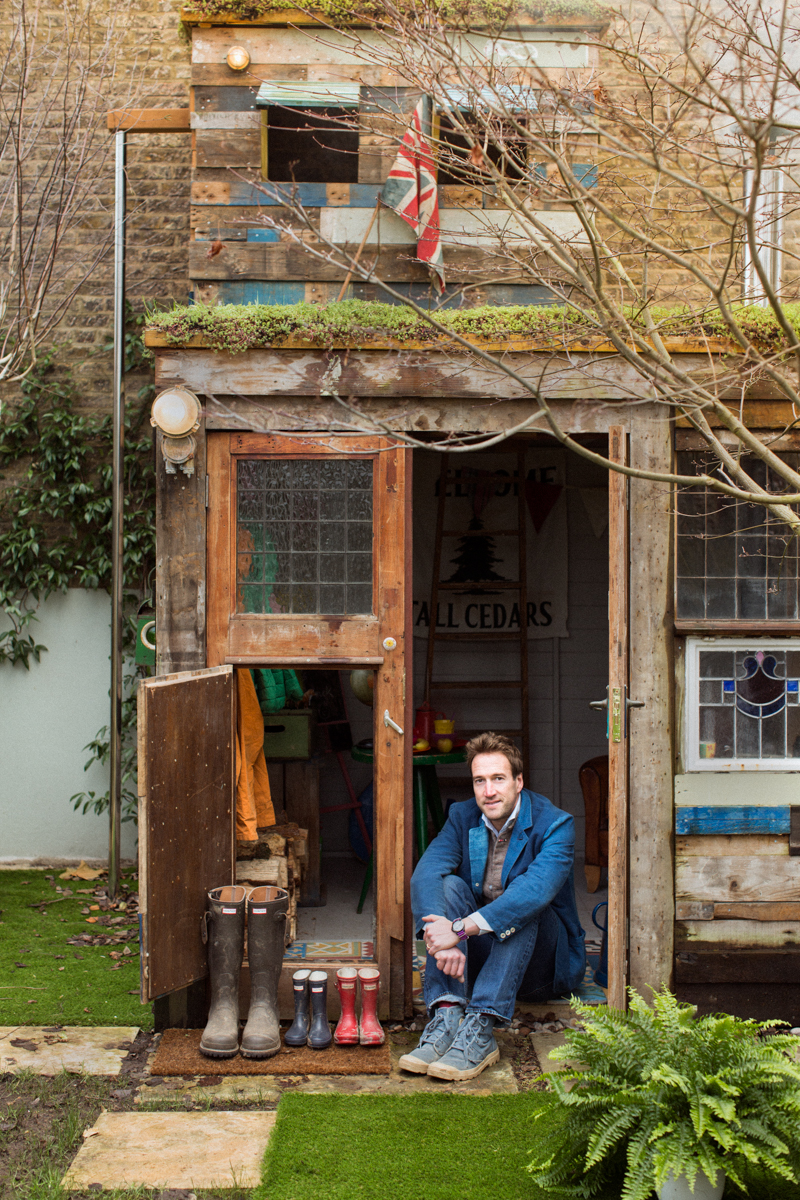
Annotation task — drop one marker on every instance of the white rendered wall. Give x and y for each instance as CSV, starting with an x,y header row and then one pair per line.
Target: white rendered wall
x,y
47,715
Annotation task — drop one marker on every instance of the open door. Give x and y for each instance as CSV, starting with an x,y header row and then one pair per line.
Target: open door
x,y
618,705
308,554
186,752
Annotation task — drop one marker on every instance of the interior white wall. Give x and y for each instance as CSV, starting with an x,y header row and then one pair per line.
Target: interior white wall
x,y
47,715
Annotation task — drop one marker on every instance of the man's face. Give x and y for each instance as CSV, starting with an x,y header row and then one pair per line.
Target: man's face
x,y
496,789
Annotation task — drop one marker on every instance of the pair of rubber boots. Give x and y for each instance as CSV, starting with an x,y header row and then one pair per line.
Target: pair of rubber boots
x,y
223,930
310,1026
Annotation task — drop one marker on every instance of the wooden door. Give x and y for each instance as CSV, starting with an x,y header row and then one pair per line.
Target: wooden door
x,y
618,704
308,550
186,778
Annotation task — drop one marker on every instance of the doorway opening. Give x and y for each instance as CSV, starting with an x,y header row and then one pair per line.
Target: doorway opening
x,y
510,599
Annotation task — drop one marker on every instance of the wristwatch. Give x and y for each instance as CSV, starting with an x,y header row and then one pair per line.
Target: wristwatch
x,y
458,927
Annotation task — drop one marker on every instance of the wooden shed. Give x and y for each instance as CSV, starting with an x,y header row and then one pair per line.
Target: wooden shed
x,y
615,585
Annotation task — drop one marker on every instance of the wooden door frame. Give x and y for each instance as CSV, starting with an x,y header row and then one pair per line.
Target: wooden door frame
x,y
304,641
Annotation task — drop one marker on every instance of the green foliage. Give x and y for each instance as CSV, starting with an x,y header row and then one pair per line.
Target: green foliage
x,y
55,523
656,1091
492,13
240,327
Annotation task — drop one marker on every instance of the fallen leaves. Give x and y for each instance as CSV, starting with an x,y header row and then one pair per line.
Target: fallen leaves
x,y
81,872
214,249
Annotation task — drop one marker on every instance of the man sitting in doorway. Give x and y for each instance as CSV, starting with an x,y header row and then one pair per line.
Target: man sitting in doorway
x,y
495,897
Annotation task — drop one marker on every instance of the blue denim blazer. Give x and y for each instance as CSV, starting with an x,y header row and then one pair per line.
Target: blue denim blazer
x,y
537,872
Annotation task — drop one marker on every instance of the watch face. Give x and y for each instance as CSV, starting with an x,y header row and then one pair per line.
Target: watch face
x,y
458,925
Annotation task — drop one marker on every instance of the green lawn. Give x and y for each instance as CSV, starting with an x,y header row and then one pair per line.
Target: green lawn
x,y
59,983
417,1147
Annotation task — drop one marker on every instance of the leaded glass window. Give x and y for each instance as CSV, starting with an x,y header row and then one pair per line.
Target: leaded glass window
x,y
304,536
743,703
735,561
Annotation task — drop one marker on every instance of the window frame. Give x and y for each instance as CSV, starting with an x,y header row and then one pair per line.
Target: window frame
x,y
691,707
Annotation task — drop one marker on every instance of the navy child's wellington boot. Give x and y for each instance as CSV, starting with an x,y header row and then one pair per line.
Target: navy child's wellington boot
x,y
297,1033
319,1036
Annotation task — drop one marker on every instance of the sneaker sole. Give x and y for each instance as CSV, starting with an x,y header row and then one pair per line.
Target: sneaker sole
x,y
415,1065
442,1071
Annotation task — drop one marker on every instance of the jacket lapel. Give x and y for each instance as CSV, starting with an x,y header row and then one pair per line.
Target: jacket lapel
x,y
519,836
478,854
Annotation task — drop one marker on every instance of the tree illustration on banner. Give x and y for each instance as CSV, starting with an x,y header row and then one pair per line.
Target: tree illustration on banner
x,y
475,558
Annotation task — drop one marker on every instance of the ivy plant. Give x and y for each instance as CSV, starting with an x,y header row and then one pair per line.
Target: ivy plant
x,y
55,521
657,1092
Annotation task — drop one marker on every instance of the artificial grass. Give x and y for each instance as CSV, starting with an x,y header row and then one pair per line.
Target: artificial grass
x,y
88,990
425,1146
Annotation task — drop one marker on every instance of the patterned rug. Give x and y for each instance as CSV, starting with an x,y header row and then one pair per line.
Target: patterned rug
x,y
328,950
589,991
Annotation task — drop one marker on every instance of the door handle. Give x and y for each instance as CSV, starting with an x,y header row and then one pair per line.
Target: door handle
x,y
600,705
390,724
634,703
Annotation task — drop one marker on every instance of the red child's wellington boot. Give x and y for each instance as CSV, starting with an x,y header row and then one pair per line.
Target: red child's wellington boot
x,y
370,1032
346,1032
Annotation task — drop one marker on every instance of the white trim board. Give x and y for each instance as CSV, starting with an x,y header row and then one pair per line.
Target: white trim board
x,y
459,227
767,789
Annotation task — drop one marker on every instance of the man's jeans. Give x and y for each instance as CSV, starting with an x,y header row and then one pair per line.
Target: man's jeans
x,y
497,972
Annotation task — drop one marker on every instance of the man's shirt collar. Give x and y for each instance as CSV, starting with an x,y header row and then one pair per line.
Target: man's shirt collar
x,y
509,820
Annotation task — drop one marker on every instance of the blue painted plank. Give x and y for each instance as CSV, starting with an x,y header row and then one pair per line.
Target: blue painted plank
x,y
257,292
263,235
723,818
362,195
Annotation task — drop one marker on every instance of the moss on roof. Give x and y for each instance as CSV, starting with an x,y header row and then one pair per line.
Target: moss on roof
x,y
460,12
239,327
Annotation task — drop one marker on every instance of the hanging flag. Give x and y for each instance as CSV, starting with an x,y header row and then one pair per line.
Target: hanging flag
x,y
410,190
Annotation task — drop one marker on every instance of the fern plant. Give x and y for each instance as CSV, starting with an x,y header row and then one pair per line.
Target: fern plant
x,y
655,1092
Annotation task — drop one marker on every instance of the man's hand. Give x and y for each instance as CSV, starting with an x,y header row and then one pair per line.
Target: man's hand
x,y
439,933
451,962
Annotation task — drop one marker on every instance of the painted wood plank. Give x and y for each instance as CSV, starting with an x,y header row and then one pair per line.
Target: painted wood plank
x,y
241,98
317,195
731,819
528,49
748,788
181,565
720,844
458,227
736,878
701,910
148,120
723,935
221,75
247,121
255,292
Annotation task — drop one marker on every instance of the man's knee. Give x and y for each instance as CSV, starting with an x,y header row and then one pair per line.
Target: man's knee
x,y
458,897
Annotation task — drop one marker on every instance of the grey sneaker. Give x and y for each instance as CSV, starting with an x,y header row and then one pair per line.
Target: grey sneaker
x,y
437,1037
473,1049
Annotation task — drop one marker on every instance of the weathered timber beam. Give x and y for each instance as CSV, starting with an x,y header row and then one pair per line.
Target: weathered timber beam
x,y
403,413
691,936
408,372
738,966
148,120
699,910
734,878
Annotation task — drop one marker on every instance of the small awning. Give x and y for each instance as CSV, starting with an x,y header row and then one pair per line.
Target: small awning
x,y
299,94
504,96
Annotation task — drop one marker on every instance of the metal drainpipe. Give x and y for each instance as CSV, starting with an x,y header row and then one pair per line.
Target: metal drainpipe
x,y
117,498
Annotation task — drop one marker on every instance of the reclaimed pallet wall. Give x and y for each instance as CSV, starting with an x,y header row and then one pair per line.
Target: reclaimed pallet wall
x,y
737,888
253,264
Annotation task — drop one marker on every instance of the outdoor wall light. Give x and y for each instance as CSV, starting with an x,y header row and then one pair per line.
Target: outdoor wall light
x,y
176,412
237,58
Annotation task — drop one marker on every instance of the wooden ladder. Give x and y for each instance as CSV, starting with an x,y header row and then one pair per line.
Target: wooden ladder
x,y
521,585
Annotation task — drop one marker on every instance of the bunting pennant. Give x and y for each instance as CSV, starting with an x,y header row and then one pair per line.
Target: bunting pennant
x,y
410,191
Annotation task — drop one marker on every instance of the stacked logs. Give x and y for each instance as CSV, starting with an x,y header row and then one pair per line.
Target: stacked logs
x,y
279,860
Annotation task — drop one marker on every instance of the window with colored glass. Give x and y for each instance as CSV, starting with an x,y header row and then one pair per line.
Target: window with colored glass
x,y
304,536
743,703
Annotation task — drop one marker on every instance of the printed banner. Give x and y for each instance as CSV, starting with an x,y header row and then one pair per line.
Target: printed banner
x,y
479,571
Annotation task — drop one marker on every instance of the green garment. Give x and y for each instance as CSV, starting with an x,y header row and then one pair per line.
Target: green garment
x,y
275,688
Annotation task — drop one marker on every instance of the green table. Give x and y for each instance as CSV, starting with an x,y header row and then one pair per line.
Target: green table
x,y
427,797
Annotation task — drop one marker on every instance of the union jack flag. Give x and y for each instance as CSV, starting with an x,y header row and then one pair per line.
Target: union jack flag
x,y
410,190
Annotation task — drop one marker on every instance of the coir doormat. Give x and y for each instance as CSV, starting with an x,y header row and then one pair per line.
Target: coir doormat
x,y
179,1054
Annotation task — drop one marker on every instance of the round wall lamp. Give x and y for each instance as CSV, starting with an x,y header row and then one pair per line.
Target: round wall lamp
x,y
177,412
237,58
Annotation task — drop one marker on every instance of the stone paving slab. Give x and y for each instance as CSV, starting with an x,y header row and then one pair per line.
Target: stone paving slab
x,y
98,1050
495,1080
172,1150
543,1043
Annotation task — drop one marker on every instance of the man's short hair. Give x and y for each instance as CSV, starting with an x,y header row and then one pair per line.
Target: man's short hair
x,y
494,743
